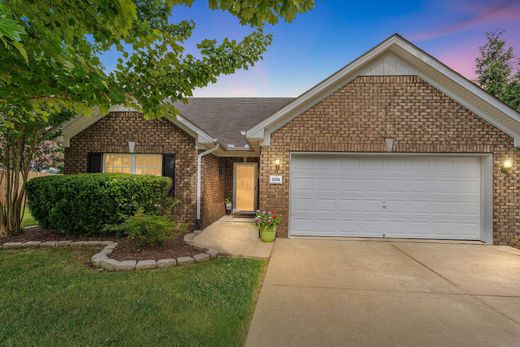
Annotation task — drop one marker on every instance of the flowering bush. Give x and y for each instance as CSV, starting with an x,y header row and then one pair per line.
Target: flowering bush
x,y
266,218
49,154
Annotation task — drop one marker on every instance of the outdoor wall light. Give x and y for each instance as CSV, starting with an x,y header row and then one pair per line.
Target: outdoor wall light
x,y
506,166
277,165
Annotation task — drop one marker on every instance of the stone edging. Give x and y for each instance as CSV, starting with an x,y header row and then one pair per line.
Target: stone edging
x,y
102,260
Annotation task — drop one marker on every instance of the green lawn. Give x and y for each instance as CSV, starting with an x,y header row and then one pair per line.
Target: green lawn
x,y
28,219
51,297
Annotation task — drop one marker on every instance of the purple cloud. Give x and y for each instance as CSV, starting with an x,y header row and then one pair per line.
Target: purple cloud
x,y
475,14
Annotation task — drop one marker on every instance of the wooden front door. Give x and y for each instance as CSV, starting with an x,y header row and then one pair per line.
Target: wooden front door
x,y
245,178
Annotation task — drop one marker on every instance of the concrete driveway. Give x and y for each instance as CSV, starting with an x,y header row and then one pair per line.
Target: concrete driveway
x,y
381,293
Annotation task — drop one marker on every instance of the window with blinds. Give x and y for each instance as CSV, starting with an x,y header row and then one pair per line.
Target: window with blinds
x,y
140,164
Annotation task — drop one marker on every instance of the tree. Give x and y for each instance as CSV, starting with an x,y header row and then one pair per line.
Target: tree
x,y
11,34
18,148
48,155
49,62
494,69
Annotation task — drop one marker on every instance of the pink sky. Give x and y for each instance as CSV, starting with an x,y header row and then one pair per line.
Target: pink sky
x,y
335,32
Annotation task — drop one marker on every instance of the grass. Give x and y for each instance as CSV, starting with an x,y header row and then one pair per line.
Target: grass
x,y
51,297
28,219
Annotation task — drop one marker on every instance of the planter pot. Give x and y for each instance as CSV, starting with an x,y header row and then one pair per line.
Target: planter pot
x,y
229,207
268,233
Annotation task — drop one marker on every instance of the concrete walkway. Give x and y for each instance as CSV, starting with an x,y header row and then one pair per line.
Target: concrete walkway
x,y
367,293
235,237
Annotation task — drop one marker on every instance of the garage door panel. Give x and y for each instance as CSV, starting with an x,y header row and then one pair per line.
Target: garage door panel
x,y
325,204
348,227
305,204
367,205
372,184
396,185
425,197
353,165
348,184
325,183
302,184
302,165
346,205
371,164
325,225
303,225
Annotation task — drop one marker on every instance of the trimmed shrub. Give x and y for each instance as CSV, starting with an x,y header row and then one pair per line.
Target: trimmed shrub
x,y
85,203
146,231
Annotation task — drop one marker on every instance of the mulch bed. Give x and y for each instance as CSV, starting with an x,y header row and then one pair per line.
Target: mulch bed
x,y
124,251
172,249
37,234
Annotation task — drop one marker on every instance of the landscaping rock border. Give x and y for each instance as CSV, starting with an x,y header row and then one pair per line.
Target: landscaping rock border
x,y
102,260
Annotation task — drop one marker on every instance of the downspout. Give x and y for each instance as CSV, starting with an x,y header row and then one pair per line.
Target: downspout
x,y
199,174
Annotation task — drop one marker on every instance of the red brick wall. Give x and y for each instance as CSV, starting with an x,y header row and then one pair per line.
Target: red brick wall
x,y
421,119
112,134
212,190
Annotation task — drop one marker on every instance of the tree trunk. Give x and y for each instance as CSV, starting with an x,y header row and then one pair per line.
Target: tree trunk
x,y
16,164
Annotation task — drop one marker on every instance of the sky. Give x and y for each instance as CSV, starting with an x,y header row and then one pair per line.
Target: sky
x,y
334,32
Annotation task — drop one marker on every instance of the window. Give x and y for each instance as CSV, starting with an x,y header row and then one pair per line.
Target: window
x,y
141,164
148,164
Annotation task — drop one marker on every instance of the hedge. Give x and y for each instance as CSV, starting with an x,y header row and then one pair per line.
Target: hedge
x,y
84,203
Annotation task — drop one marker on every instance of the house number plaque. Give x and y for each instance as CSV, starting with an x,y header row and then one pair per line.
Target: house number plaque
x,y
275,179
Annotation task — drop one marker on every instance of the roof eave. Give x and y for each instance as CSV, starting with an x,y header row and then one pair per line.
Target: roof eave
x,y
79,123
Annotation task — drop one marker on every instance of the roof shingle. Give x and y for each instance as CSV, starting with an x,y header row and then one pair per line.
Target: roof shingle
x,y
225,118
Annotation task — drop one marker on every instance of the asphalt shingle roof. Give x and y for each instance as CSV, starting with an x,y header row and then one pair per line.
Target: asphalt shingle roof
x,y
225,118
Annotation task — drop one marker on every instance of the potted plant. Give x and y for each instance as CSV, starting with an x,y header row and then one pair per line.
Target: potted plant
x,y
229,204
267,222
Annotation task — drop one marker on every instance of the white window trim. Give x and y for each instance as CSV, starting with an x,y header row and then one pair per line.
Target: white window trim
x,y
133,160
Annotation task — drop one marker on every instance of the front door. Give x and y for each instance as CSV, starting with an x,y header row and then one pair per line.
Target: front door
x,y
245,186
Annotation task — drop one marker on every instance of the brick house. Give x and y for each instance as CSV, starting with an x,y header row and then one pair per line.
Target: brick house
x,y
395,144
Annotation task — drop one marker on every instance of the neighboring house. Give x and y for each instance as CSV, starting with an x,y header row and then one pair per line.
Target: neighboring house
x,y
395,144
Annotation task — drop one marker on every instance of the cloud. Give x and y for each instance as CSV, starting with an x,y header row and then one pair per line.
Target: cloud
x,y
474,14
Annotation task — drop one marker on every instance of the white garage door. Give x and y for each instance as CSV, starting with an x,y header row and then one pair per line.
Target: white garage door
x,y
385,196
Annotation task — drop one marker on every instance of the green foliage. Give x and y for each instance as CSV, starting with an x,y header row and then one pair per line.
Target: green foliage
x,y
494,69
49,155
50,62
11,34
167,205
20,143
146,231
64,40
257,12
85,203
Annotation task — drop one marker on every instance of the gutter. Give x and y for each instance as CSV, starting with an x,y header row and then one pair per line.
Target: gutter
x,y
199,174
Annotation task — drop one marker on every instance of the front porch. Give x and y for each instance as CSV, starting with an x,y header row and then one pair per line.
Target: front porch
x,y
228,179
233,236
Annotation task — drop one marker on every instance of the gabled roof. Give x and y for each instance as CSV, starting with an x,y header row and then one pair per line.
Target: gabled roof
x,y
77,124
226,118
396,56
208,120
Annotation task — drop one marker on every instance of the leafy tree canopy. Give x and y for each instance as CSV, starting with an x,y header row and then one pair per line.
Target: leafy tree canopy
x,y
49,55
496,71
